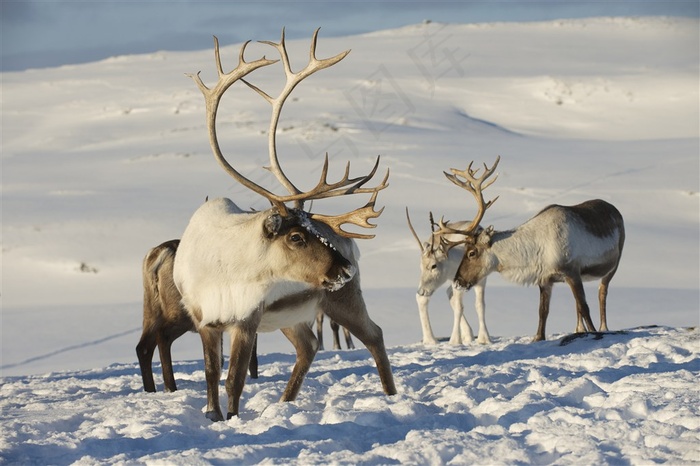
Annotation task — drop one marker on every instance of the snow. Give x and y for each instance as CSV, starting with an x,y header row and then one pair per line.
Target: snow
x,y
628,397
104,160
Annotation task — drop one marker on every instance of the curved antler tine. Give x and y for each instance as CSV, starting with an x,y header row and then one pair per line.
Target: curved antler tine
x,y
469,168
449,244
212,97
415,235
312,49
359,217
282,49
432,221
198,81
440,230
217,56
433,225
371,174
475,185
325,62
277,103
444,229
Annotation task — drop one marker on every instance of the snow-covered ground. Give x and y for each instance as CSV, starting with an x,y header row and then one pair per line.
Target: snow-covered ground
x,y
102,161
629,398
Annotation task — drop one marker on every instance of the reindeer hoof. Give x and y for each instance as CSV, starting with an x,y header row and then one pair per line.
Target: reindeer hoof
x,y
230,415
214,416
484,340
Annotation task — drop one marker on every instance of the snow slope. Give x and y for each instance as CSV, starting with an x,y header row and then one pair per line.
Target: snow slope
x,y
627,398
102,161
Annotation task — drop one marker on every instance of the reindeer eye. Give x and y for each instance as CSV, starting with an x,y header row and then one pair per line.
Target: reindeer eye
x,y
471,254
297,238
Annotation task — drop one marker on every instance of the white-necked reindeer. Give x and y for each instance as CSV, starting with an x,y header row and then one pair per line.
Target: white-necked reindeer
x,y
245,272
165,319
440,258
569,244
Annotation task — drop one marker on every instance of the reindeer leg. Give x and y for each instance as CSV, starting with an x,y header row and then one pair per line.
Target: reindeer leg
x,y
211,343
370,334
347,307
253,366
348,339
165,343
461,330
480,304
319,330
545,298
243,337
166,363
144,351
335,328
306,346
428,335
602,300
582,310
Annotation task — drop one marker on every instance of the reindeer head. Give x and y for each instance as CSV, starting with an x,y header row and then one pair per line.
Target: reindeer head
x,y
473,267
476,262
295,232
296,245
438,259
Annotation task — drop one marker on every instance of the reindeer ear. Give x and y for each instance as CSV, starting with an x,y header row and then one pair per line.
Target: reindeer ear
x,y
485,236
272,225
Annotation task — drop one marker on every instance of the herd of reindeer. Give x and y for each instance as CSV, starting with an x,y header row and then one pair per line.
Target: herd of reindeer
x,y
244,272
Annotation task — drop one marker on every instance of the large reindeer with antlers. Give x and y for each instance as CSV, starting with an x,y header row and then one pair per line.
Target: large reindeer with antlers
x,y
569,244
165,319
245,272
440,258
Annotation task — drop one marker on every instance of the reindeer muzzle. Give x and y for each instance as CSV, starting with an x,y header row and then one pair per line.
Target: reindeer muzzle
x,y
462,285
346,274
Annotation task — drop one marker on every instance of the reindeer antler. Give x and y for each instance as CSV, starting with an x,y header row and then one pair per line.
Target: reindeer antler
x,y
476,186
323,188
293,79
442,230
212,97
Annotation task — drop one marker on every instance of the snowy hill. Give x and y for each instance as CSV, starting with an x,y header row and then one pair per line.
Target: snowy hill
x,y
104,160
629,397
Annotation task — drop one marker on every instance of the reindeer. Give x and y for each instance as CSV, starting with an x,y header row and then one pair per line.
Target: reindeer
x,y
247,272
164,317
569,244
440,258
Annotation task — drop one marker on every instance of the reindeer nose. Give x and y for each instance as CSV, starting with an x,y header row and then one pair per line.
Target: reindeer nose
x,y
461,284
347,273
